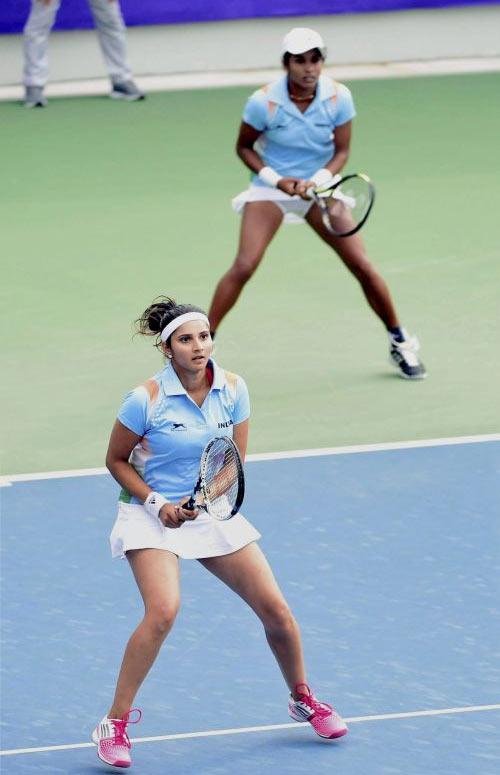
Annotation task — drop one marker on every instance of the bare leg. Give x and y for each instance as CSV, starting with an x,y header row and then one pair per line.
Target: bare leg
x,y
352,252
247,573
157,575
260,222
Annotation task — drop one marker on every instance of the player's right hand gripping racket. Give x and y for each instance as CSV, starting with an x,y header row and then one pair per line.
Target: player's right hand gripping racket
x,y
221,482
346,204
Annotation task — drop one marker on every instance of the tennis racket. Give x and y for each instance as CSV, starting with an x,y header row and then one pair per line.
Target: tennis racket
x,y
221,482
346,204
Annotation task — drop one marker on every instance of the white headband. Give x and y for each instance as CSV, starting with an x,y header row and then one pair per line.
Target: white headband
x,y
180,320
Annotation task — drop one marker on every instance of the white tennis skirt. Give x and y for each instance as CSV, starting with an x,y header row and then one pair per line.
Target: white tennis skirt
x,y
294,208
135,528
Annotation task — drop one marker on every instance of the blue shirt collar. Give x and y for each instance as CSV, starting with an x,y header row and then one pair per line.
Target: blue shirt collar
x,y
172,386
278,91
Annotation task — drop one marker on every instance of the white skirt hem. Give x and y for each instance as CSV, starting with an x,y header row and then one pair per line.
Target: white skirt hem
x,y
204,537
294,208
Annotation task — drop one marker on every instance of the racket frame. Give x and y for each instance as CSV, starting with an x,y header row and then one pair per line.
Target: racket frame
x,y
318,196
201,483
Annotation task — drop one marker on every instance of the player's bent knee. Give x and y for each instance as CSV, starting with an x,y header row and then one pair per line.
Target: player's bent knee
x,y
242,271
279,620
161,618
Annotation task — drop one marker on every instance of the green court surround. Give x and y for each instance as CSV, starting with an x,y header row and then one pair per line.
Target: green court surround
x,y
105,205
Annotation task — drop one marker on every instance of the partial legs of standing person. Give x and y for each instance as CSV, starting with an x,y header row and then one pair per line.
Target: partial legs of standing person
x,y
36,40
247,573
403,348
156,572
111,33
259,223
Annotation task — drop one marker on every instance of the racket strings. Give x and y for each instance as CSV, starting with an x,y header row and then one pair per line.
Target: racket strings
x,y
348,204
222,474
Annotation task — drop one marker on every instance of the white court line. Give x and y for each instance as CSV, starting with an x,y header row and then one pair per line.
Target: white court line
x,y
218,79
268,728
382,447
6,481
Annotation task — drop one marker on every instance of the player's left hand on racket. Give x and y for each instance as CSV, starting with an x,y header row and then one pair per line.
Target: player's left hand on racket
x,y
170,514
174,515
303,188
321,179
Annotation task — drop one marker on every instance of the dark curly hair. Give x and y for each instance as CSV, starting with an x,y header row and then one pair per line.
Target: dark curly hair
x,y
159,314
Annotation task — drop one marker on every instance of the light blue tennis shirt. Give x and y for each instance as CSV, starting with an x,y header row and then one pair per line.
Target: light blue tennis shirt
x,y
174,430
297,144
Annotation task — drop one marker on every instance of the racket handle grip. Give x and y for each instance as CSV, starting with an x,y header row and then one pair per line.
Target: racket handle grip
x,y
190,505
310,192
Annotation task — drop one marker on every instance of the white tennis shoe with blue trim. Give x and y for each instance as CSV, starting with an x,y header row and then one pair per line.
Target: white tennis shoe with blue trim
x,y
403,355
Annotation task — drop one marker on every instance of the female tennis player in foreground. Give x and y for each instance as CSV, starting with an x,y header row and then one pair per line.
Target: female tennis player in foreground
x,y
296,134
154,454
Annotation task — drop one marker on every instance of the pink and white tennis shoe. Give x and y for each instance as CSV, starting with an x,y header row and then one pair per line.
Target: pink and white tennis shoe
x,y
324,719
112,741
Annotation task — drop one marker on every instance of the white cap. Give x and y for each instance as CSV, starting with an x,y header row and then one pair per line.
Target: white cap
x,y
302,39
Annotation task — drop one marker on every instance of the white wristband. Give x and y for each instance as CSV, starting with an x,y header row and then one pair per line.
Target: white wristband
x,y
322,177
269,176
154,503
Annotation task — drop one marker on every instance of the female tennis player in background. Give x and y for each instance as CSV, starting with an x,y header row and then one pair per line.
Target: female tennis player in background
x,y
296,134
154,454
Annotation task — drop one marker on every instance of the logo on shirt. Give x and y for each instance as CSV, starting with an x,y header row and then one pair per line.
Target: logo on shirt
x,y
179,426
225,424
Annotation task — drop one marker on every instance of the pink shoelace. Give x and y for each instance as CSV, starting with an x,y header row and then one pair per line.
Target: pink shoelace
x,y
120,727
321,708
